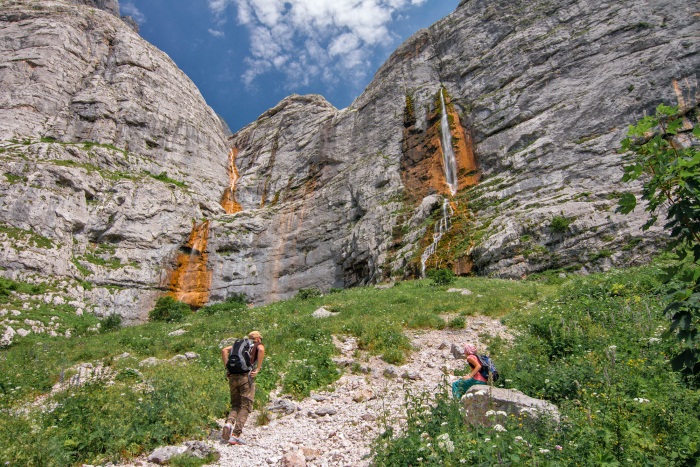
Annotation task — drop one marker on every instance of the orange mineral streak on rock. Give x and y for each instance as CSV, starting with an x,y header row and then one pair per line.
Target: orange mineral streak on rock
x,y
467,170
190,281
422,168
228,200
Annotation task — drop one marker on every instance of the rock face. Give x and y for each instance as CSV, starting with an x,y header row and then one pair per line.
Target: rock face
x,y
538,97
109,152
120,180
111,6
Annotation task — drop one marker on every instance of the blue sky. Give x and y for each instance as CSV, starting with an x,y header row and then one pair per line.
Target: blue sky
x,y
247,55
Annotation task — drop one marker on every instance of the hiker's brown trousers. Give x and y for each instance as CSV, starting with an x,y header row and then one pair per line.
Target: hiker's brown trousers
x,y
242,395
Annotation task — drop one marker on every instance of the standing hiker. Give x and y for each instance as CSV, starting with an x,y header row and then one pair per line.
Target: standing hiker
x,y
461,386
243,361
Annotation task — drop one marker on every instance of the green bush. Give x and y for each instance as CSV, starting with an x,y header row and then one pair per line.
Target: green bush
x,y
110,323
169,310
394,356
560,224
457,322
441,277
305,294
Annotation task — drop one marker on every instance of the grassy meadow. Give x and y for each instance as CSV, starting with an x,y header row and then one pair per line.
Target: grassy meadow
x,y
589,344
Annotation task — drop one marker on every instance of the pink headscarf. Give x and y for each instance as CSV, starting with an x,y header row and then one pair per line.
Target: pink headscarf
x,y
470,349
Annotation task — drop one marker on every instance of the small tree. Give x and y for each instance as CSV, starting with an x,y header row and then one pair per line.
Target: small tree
x,y
671,175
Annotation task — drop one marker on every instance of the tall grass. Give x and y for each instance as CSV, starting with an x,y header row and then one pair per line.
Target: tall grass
x,y
594,349
138,408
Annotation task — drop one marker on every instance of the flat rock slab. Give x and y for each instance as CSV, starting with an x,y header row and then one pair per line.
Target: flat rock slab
x,y
484,404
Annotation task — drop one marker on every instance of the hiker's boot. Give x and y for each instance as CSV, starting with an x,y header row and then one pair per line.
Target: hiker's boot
x,y
226,432
236,440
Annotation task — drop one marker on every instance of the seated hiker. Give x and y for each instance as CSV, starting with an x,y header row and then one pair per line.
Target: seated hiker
x,y
474,377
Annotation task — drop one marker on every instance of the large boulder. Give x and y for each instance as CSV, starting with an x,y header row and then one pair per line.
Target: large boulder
x,y
485,405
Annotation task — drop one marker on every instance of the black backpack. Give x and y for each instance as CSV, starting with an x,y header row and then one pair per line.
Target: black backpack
x,y
239,358
488,368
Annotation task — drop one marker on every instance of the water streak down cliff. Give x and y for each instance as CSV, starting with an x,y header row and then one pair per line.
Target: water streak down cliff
x,y
448,154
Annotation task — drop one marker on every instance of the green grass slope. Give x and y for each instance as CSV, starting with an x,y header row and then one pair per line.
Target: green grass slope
x,y
587,344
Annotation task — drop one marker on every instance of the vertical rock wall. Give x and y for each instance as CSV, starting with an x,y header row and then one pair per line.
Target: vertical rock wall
x,y
540,94
108,150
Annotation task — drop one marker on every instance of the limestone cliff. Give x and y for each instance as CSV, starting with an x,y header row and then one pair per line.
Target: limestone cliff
x,y
539,94
108,153
123,184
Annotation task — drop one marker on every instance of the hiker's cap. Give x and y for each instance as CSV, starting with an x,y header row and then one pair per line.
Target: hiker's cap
x,y
255,334
470,349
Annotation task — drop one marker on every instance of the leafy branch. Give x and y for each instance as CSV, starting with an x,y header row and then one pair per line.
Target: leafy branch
x,y
670,170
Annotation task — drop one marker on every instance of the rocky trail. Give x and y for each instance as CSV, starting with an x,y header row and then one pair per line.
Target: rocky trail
x,y
336,427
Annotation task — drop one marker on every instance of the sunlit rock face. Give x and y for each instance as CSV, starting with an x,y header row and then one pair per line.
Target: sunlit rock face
x,y
539,95
113,164
108,150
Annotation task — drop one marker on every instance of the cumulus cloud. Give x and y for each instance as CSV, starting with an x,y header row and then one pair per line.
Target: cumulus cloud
x,y
313,39
129,9
216,32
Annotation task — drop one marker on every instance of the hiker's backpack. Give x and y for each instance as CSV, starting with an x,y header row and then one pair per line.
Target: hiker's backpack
x,y
239,359
488,368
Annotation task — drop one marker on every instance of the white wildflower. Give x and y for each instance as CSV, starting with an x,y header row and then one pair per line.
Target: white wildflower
x,y
612,347
490,413
654,340
501,412
499,428
486,440
544,451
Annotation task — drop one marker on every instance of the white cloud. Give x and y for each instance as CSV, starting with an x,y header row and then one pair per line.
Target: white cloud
x,y
218,7
313,39
129,9
216,32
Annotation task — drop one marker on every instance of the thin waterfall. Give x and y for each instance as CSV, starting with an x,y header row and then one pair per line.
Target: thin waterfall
x,y
448,154
440,228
